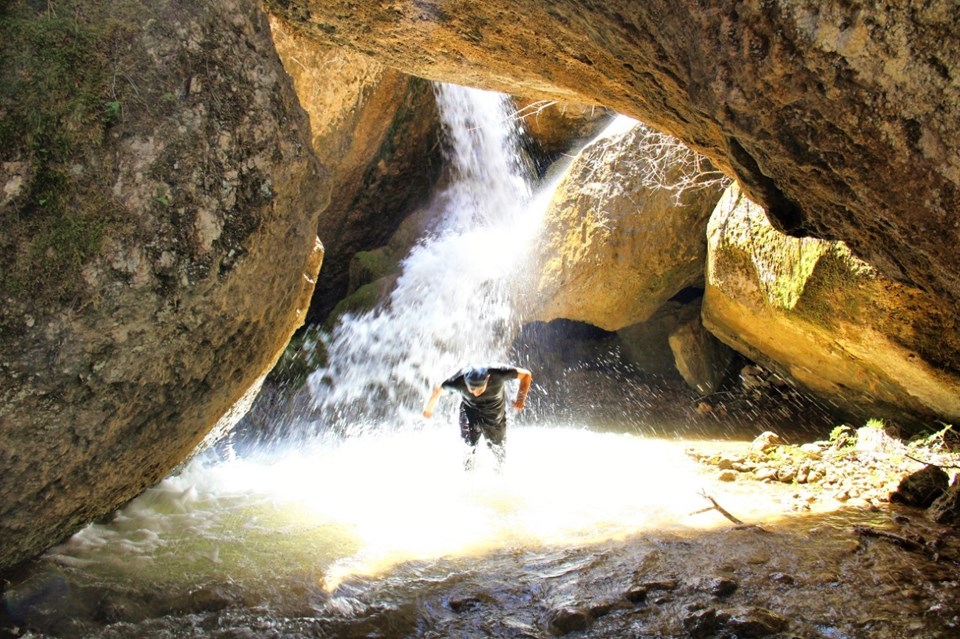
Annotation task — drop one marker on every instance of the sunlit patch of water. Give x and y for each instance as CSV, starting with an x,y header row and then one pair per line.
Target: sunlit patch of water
x,y
360,505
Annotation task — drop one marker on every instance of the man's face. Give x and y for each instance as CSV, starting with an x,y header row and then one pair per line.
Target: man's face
x,y
478,391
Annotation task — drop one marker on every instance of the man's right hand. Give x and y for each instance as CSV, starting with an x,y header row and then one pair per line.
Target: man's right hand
x,y
428,414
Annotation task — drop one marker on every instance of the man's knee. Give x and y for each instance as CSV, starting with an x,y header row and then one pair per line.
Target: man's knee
x,y
470,433
495,435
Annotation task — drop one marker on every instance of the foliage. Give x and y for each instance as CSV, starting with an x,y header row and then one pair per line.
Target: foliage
x,y
947,439
842,436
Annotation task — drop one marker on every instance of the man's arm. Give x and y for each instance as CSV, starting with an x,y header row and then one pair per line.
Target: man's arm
x,y
432,402
525,378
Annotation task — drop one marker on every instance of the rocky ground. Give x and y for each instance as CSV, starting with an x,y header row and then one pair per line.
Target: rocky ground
x,y
864,468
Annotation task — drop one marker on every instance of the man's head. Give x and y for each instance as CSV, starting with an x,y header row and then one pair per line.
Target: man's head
x,y
476,380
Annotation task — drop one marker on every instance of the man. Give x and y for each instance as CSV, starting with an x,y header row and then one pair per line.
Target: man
x,y
483,405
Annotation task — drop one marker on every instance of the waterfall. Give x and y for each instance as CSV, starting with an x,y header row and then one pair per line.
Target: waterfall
x,y
452,304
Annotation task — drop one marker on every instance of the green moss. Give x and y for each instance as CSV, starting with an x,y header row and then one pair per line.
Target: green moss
x,y
56,103
832,294
363,299
369,266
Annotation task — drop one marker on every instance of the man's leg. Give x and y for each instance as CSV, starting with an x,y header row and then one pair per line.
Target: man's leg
x,y
470,433
496,437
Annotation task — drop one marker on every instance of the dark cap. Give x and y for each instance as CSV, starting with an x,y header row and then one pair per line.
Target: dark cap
x,y
475,378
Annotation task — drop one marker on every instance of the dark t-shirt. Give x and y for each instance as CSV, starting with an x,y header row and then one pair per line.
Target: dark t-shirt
x,y
491,406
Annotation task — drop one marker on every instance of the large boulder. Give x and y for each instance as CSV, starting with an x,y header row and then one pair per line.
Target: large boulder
x,y
813,312
838,117
558,127
158,245
625,230
377,131
646,345
702,360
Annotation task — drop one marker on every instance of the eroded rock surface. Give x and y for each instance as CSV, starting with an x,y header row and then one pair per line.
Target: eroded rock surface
x,y
625,230
205,197
376,130
839,118
814,312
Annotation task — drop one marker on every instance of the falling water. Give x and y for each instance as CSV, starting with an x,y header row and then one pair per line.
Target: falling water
x,y
453,303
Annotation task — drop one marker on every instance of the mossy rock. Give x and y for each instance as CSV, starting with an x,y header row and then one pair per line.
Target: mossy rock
x,y
369,266
58,101
364,299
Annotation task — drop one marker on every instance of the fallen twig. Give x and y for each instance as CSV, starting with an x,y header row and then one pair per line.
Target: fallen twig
x,y
930,463
723,511
720,508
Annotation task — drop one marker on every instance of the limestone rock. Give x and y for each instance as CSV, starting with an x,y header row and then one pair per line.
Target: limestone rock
x,y
838,117
624,231
646,345
185,290
376,130
560,126
702,360
814,313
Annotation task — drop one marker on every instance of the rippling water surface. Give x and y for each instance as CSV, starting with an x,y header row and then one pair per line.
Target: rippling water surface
x,y
387,536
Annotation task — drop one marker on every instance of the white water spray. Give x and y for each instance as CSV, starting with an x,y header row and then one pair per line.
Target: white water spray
x,y
452,305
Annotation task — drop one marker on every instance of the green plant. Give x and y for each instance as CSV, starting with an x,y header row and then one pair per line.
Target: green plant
x,y
162,197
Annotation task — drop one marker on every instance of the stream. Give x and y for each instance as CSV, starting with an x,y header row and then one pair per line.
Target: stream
x,y
586,533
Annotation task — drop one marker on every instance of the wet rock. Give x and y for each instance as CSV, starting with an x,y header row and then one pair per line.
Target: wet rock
x,y
755,622
946,508
466,603
782,578
639,592
601,608
636,594
718,586
562,621
701,624
921,488
766,441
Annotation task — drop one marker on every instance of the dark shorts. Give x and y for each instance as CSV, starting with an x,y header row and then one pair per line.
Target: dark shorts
x,y
471,428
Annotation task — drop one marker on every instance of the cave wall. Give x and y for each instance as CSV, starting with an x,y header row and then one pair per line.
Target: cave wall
x,y
837,117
